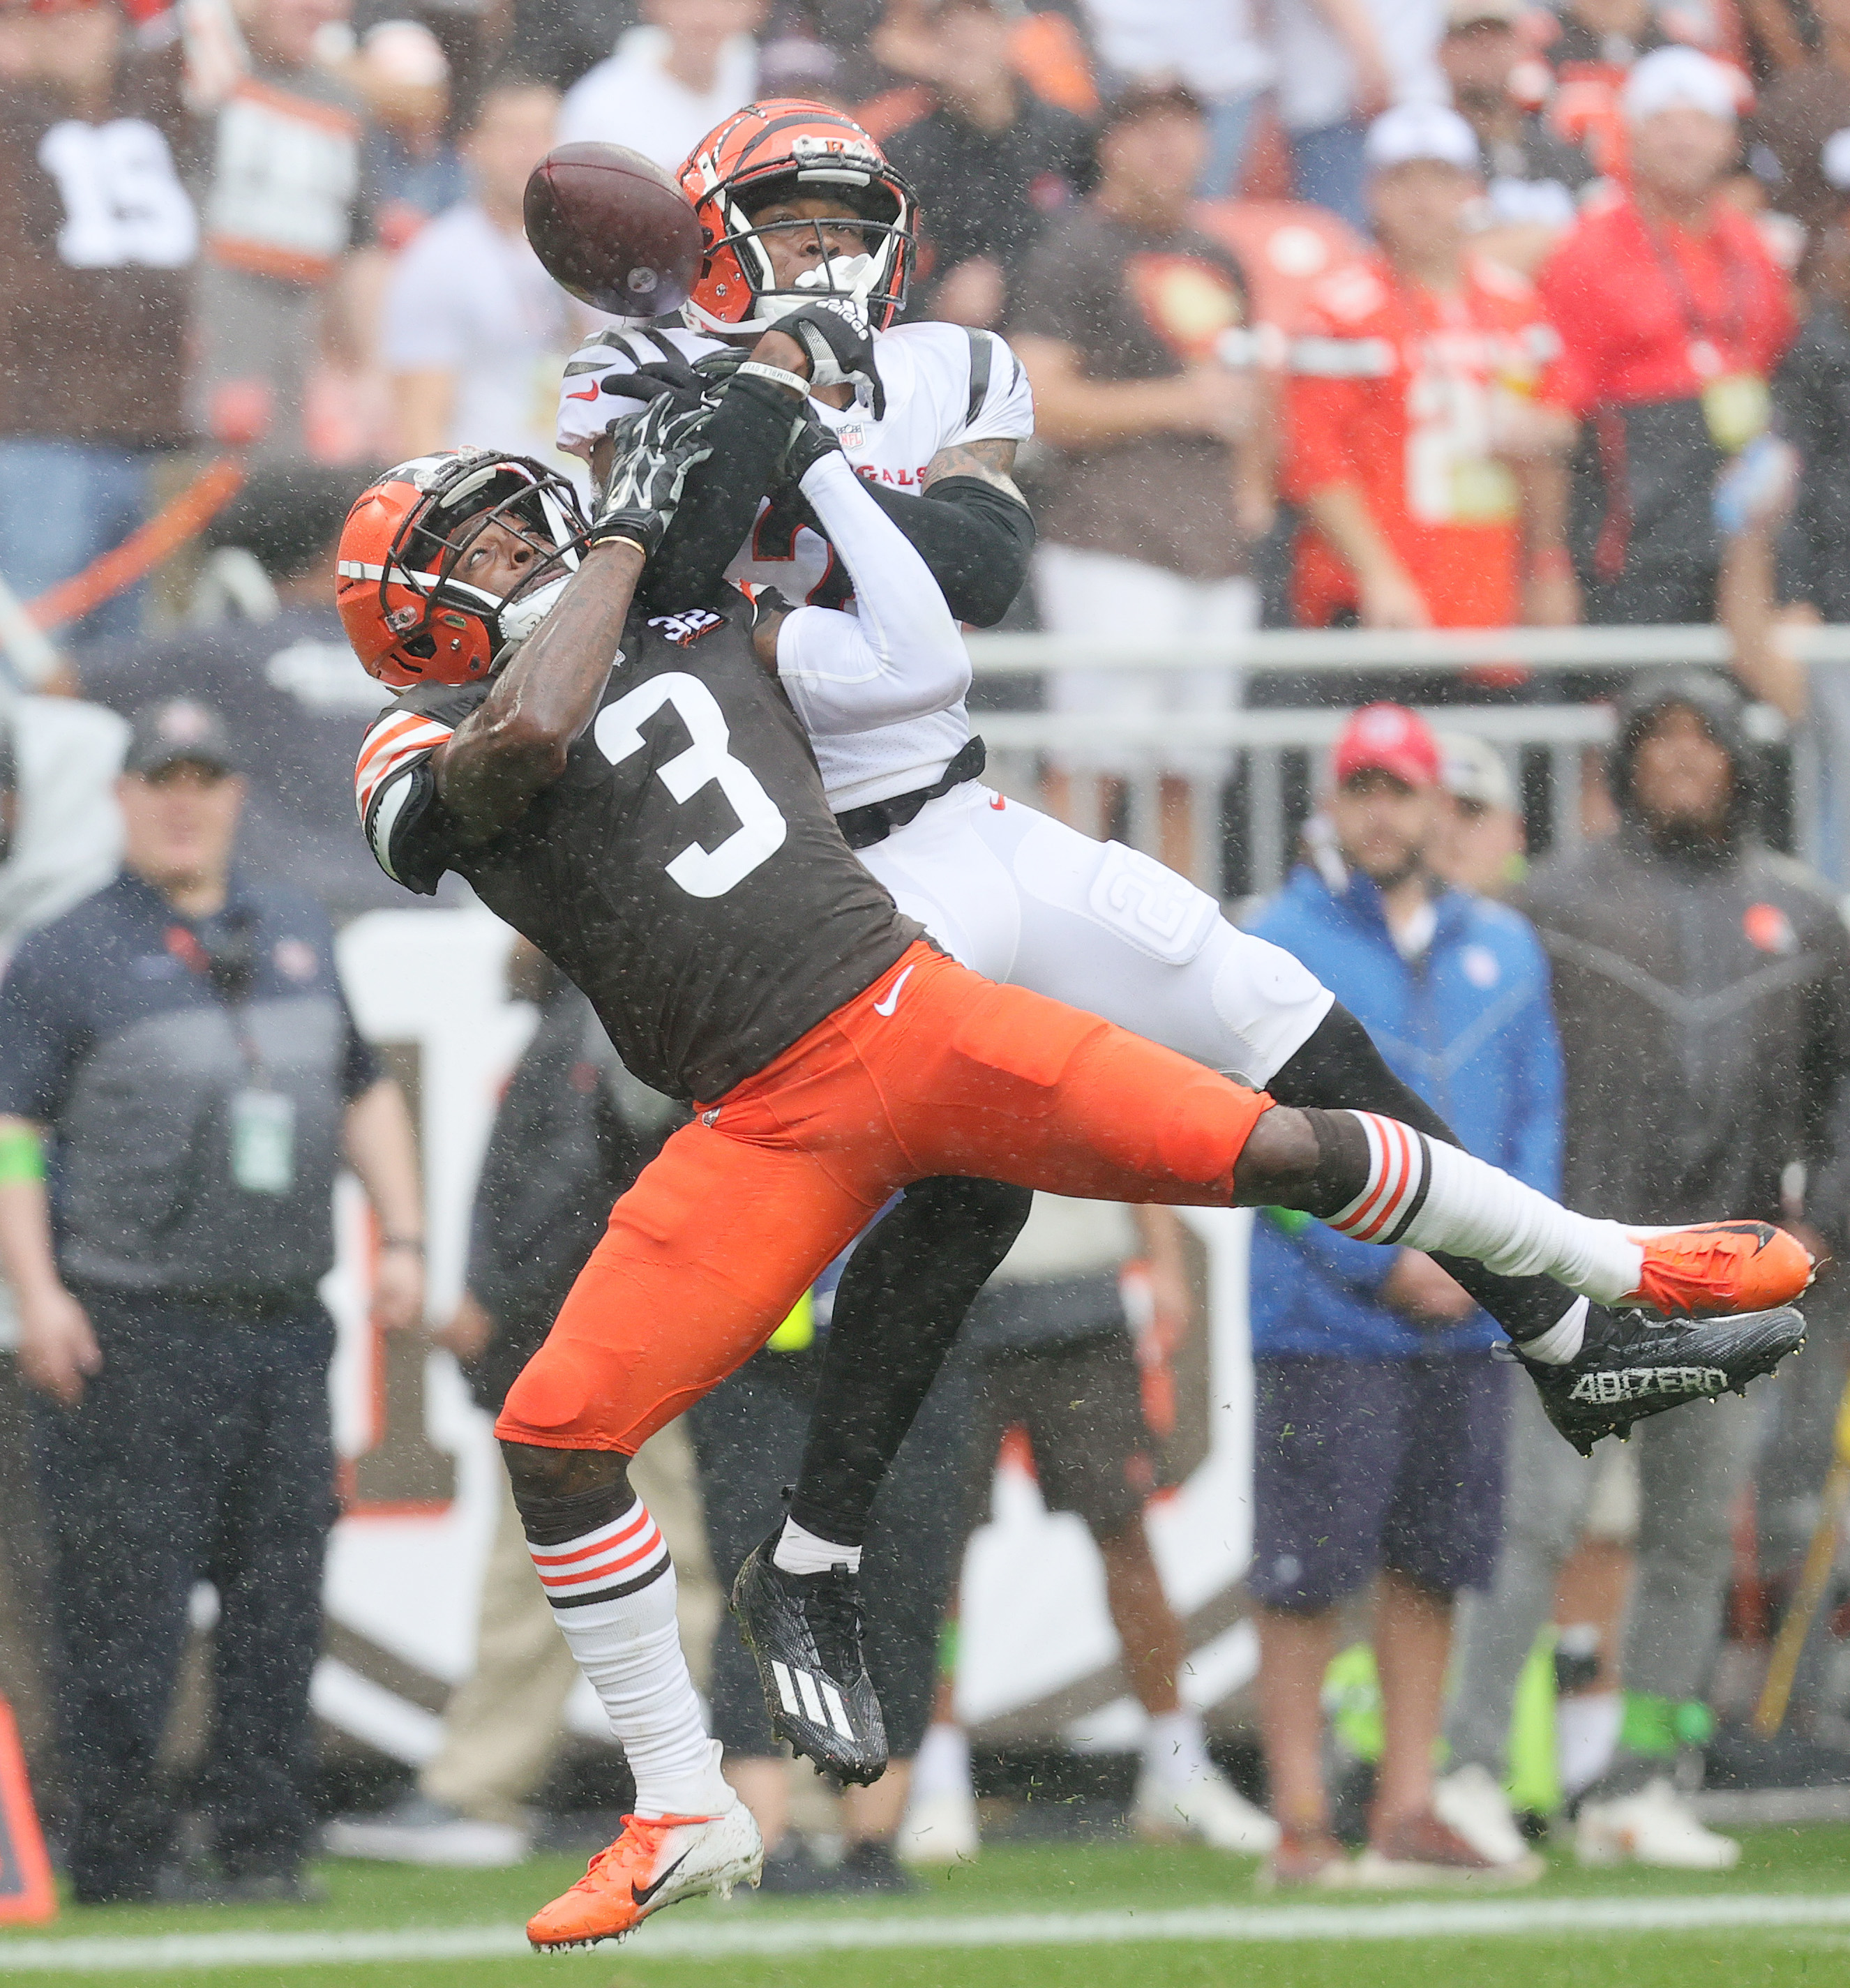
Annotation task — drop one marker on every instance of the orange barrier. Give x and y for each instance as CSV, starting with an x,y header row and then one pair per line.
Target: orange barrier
x,y
143,550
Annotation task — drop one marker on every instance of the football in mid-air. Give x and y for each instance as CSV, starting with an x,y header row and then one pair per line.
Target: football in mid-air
x,y
612,228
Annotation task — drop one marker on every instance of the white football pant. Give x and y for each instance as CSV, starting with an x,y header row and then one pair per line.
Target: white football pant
x,y
1012,893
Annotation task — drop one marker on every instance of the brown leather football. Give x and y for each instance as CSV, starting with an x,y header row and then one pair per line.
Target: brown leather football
x,y
614,229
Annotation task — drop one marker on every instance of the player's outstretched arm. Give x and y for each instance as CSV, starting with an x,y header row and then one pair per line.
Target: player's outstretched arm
x,y
516,741
899,656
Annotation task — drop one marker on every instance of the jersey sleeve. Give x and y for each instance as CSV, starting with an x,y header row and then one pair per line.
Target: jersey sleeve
x,y
585,410
395,792
999,406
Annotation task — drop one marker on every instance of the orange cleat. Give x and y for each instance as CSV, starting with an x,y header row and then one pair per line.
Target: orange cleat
x,y
655,1861
1715,1267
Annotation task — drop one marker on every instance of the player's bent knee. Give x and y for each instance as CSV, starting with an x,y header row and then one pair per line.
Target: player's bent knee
x,y
1316,1161
562,1493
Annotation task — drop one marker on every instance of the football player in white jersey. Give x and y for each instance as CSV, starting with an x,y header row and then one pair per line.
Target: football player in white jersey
x,y
808,235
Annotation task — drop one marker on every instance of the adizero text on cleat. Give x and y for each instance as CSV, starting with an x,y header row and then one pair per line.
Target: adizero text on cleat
x,y
1714,1267
1628,1369
654,1861
804,1631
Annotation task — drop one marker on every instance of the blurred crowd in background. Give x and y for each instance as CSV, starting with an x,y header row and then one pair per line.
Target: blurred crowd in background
x,y
1398,315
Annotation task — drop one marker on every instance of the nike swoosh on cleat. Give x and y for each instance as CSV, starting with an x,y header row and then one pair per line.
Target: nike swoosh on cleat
x,y
642,1894
590,394
887,1006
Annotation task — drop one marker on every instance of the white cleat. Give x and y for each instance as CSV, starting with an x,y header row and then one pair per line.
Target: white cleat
x,y
1469,1800
419,1831
1657,1826
1205,1807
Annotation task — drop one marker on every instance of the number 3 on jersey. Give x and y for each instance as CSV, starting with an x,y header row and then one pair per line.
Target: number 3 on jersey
x,y
701,873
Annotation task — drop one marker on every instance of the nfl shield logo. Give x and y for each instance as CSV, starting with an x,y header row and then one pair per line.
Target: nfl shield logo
x,y
851,435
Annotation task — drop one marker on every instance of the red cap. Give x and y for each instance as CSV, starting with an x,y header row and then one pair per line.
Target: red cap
x,y
1386,738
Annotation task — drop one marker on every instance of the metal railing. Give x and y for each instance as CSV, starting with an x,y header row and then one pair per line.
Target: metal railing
x,y
1556,735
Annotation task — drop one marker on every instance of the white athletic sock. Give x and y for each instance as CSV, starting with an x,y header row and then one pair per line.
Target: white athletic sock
x,y
1424,1194
1586,1737
1175,1747
942,1766
612,1594
798,1551
1563,1340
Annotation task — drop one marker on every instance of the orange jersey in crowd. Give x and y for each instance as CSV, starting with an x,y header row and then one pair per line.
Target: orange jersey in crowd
x,y
1393,392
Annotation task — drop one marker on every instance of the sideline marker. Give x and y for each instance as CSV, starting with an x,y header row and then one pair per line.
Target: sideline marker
x,y
28,1895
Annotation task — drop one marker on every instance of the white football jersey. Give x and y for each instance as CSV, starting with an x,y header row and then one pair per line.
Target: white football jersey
x,y
944,384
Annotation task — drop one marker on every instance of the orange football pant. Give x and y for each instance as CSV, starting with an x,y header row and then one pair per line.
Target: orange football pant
x,y
933,1070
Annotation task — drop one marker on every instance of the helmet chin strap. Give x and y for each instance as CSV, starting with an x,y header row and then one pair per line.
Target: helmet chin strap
x,y
519,618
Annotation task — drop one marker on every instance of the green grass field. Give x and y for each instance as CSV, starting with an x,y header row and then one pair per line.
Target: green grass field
x,y
1020,1918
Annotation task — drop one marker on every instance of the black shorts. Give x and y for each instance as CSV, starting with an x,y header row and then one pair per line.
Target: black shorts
x,y
1362,1464
1081,1404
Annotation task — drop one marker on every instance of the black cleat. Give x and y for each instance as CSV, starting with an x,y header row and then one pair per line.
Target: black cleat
x,y
803,1630
1629,1368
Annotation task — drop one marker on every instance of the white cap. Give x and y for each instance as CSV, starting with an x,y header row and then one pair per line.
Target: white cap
x,y
1411,131
1680,78
1472,770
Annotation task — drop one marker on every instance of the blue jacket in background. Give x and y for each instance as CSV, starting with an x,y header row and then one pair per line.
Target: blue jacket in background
x,y
1469,1027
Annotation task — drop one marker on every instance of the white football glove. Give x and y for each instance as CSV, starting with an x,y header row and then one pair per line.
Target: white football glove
x,y
834,331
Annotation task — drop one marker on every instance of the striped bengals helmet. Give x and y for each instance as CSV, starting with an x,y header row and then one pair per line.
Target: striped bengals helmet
x,y
410,619
782,147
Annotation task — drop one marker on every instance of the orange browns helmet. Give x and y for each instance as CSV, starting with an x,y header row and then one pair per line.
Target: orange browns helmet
x,y
410,619
786,146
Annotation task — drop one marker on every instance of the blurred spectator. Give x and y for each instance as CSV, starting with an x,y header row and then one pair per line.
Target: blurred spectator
x,y
670,82
411,170
274,157
1341,63
1812,395
60,839
288,682
1213,47
559,40
1703,988
97,239
1057,1360
989,163
476,332
1481,841
1801,111
1132,326
183,1037
1427,426
748,1435
573,1131
1673,317
1533,178
1377,1422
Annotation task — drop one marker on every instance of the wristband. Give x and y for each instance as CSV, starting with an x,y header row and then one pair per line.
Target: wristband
x,y
21,1157
756,369
616,536
1551,563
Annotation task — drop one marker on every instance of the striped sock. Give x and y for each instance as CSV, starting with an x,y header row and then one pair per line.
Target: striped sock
x,y
1425,1194
612,1590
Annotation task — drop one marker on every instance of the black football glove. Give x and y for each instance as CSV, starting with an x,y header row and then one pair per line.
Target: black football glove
x,y
836,333
655,451
811,440
692,384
